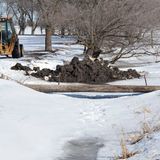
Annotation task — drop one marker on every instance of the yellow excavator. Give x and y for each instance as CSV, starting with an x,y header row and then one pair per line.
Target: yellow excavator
x,y
9,42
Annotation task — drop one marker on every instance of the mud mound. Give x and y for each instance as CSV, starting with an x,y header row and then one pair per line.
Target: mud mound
x,y
20,67
86,71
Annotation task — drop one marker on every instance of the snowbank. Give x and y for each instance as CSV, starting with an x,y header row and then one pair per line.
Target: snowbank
x,y
37,126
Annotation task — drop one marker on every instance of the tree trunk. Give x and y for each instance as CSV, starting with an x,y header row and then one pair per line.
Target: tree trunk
x,y
69,32
94,53
85,49
62,31
20,31
23,31
48,39
33,29
41,28
32,32
152,40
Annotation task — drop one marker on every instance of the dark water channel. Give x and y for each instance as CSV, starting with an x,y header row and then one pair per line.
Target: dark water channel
x,y
101,96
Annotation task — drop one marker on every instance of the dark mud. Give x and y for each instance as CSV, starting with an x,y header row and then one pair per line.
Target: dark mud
x,y
86,71
18,66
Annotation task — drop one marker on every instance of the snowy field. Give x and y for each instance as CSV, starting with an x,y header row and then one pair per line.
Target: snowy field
x,y
75,126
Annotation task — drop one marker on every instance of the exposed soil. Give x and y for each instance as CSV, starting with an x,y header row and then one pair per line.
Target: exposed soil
x,y
18,66
86,71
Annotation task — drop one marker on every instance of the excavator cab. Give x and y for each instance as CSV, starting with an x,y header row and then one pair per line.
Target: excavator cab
x,y
9,42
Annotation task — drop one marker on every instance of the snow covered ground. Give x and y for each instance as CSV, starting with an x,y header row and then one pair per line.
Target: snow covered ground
x,y
37,126
75,126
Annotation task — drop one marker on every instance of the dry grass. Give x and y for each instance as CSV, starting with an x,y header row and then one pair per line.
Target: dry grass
x,y
146,130
135,138
125,153
156,128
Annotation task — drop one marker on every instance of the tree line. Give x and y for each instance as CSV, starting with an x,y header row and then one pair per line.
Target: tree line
x,y
114,26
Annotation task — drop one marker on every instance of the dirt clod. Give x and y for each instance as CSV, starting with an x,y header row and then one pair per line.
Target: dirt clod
x,y
18,66
85,71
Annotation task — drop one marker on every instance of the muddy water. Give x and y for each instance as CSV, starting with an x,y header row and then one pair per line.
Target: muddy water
x,y
82,149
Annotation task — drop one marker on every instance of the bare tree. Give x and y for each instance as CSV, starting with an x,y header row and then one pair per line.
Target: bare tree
x,y
18,8
32,14
118,26
48,10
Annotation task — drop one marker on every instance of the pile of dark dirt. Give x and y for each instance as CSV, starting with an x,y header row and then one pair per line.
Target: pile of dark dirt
x,y
20,67
86,71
